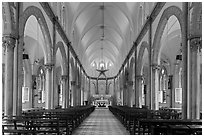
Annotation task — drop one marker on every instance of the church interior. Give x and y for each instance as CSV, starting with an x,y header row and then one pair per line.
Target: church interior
x,y
101,68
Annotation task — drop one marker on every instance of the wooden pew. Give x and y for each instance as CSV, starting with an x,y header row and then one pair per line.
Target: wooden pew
x,y
129,116
155,126
31,126
60,121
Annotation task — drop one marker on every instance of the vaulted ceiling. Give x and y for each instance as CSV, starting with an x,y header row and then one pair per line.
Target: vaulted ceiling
x,y
104,32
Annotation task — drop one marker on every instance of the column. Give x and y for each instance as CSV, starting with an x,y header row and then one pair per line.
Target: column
x,y
97,92
48,85
3,86
68,103
82,91
107,87
139,79
64,90
89,90
136,82
15,82
8,44
195,85
155,87
73,89
124,93
114,93
78,94
185,66
169,91
129,94
149,85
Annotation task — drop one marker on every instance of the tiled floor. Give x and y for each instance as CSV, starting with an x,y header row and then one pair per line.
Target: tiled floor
x,y
101,122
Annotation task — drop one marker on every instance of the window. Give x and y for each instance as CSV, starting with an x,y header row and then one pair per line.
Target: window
x,y
178,95
41,85
163,85
25,94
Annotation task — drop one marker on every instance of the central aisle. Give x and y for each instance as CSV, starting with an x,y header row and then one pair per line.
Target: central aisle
x,y
101,122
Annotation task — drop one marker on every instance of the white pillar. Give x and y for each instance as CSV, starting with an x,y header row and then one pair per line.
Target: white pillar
x,y
129,94
64,90
124,90
139,79
195,91
185,65
89,91
73,89
78,94
9,44
170,91
48,85
155,87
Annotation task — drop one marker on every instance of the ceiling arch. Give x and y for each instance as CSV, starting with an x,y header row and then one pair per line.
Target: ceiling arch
x,y
103,24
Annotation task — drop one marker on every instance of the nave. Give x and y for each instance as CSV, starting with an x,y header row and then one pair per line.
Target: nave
x,y
101,122
62,60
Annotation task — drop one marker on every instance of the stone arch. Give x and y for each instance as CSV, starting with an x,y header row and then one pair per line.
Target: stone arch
x,y
143,46
32,10
60,46
168,12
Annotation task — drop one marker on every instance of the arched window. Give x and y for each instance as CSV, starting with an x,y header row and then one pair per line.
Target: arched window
x,y
163,84
41,85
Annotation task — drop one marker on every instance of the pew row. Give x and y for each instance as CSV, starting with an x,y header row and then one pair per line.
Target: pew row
x,y
50,121
145,121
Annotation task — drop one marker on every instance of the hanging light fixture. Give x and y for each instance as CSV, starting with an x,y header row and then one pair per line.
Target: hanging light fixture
x,y
102,63
102,69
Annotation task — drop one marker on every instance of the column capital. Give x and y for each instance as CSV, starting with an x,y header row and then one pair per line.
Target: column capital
x,y
8,42
195,43
64,77
49,66
156,67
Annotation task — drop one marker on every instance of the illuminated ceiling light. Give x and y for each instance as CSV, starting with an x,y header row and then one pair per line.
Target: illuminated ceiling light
x,y
93,64
110,64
